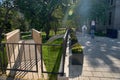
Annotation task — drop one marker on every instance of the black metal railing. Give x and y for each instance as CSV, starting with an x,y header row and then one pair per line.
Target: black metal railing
x,y
65,39
19,56
24,56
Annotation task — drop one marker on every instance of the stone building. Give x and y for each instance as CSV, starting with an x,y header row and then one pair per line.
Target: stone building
x,y
114,14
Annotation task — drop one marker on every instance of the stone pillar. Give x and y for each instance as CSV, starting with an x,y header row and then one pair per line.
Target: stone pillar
x,y
37,37
12,37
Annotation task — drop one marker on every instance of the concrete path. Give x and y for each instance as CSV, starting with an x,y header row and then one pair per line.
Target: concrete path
x,y
25,59
101,59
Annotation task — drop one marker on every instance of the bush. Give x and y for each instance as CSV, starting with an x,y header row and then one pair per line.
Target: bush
x,y
77,48
73,37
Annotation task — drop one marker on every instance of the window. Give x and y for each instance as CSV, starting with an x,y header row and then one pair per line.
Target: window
x,y
110,18
111,2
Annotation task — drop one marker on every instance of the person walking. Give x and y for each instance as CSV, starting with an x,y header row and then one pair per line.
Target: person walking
x,y
84,30
92,31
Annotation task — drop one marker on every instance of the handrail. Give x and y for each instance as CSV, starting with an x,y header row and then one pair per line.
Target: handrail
x,y
65,38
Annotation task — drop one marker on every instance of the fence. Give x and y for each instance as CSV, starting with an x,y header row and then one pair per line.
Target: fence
x,y
24,56
65,38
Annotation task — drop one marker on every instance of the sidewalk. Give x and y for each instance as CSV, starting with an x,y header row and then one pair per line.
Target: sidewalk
x,y
101,59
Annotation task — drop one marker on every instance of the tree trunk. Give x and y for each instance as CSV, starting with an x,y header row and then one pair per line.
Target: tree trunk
x,y
47,30
1,31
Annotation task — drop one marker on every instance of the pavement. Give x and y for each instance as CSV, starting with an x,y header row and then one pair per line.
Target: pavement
x,y
101,59
25,60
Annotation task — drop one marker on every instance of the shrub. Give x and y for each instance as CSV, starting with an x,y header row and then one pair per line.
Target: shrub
x,y
73,37
77,48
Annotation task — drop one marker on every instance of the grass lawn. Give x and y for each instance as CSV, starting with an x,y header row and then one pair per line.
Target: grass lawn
x,y
60,31
52,57
26,35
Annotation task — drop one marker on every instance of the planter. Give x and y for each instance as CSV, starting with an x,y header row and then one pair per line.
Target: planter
x,y
77,50
77,58
112,33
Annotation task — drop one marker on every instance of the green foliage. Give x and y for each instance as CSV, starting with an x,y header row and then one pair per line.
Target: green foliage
x,y
26,35
61,31
39,13
99,10
77,48
87,10
3,59
73,37
10,18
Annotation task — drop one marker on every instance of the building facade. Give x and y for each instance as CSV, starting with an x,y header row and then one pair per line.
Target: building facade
x,y
114,14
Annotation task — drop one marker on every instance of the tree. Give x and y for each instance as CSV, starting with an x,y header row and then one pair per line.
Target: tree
x,y
38,12
57,17
10,18
99,10
5,24
18,21
92,10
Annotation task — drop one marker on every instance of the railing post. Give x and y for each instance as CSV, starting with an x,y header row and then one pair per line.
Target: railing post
x,y
1,56
36,62
41,58
64,49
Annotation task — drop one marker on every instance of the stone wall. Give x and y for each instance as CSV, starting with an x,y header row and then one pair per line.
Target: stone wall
x,y
37,37
12,37
117,15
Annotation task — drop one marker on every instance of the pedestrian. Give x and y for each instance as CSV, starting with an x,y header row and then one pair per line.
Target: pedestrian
x,y
84,30
92,31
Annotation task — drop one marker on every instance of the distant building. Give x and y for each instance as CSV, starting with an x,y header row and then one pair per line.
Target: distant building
x,y
113,21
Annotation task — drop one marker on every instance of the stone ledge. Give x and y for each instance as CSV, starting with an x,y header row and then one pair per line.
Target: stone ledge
x,y
66,67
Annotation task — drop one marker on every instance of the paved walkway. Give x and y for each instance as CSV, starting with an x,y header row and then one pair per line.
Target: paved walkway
x,y
25,59
101,59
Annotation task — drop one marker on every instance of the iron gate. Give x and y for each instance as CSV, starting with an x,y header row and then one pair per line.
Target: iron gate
x,y
26,55
20,56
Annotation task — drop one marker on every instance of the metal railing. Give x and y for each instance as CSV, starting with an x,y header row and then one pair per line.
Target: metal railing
x,y
19,57
24,56
65,39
